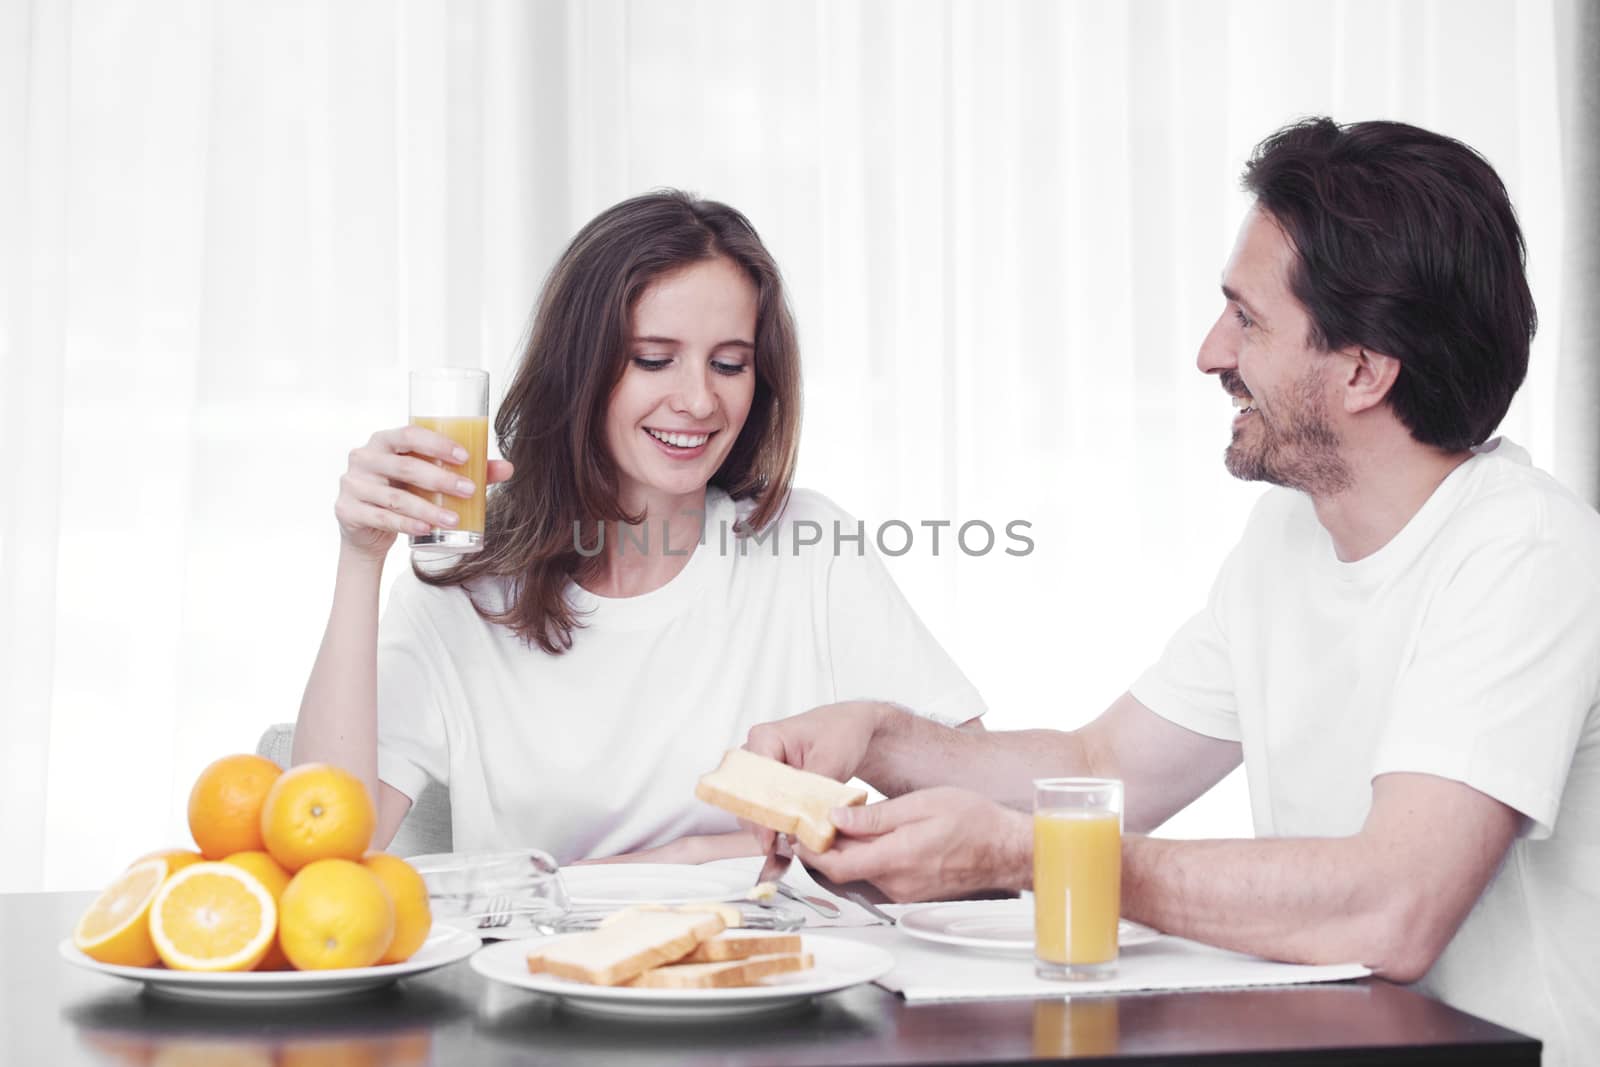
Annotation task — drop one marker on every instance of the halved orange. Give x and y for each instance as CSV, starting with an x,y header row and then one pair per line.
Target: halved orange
x,y
213,917
276,879
177,858
116,928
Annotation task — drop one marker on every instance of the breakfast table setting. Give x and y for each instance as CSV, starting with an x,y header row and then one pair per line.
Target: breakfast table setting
x,y
944,982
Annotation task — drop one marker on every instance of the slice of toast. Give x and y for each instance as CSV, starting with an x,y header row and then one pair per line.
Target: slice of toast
x,y
718,949
627,948
778,796
724,974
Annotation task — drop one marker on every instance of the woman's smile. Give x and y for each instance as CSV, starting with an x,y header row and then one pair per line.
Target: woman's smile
x,y
680,445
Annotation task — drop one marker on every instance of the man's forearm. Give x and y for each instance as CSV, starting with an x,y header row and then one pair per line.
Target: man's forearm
x,y
1315,900
909,752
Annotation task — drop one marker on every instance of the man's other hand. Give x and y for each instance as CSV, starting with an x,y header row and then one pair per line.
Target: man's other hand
x,y
933,844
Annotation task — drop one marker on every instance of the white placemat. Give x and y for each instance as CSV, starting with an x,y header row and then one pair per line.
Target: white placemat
x,y
929,972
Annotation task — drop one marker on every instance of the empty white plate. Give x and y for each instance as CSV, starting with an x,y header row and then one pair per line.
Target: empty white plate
x,y
994,925
620,884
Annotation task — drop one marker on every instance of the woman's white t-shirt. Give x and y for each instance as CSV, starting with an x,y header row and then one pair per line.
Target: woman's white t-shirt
x,y
596,752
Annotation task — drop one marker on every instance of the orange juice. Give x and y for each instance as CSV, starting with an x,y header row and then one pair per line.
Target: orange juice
x,y
471,432
1077,885
1075,1026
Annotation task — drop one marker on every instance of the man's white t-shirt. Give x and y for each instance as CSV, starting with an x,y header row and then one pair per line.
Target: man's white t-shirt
x,y
596,752
1468,647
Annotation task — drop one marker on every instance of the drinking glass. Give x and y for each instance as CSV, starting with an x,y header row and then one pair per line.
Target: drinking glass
x,y
495,891
1077,876
454,401
1075,1026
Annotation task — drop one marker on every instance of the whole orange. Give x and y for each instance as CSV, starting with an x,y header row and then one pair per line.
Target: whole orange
x,y
209,1052
271,874
225,804
413,918
317,811
267,870
335,914
333,1052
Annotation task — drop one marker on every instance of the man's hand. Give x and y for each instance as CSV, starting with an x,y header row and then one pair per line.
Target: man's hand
x,y
934,844
831,740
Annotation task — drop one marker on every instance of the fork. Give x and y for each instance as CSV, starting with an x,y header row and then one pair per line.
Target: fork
x,y
498,913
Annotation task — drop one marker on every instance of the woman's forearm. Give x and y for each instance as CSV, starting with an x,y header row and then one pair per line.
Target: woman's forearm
x,y
338,720
696,848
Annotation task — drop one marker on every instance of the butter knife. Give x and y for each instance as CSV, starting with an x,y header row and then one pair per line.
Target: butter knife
x,y
825,908
863,895
777,863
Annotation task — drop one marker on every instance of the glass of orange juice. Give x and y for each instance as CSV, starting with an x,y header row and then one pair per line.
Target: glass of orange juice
x,y
454,401
1077,876
1075,1025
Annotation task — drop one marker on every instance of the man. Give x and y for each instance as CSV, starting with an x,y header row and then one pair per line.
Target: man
x,y
1403,649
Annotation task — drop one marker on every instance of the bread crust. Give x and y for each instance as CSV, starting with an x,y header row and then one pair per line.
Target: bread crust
x,y
765,803
725,975
718,949
661,940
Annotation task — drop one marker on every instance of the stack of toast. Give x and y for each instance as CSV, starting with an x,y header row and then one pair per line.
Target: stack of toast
x,y
686,947
657,947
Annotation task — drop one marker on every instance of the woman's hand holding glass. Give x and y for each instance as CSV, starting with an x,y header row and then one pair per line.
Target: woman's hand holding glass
x,y
378,493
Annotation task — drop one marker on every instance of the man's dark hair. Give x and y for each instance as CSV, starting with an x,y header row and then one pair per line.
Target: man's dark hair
x,y
1407,245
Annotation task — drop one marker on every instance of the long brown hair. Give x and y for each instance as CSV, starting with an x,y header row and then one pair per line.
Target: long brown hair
x,y
551,424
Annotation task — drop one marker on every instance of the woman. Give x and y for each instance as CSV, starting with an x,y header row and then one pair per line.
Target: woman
x,y
569,684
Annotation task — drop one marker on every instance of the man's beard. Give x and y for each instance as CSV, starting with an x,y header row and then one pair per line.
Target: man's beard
x,y
1296,447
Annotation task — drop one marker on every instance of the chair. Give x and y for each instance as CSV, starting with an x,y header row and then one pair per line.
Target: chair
x,y
426,827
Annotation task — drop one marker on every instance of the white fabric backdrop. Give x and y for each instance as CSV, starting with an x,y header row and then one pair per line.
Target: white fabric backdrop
x,y
229,228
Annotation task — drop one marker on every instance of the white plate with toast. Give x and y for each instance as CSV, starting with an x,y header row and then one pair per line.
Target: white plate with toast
x,y
444,946
620,884
837,964
994,925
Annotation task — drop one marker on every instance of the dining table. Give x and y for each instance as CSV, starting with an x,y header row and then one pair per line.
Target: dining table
x,y
56,1014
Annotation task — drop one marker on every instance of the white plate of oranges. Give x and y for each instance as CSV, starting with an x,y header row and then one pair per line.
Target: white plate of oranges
x,y
282,900
445,945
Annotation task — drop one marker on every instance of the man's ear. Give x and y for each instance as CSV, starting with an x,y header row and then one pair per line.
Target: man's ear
x,y
1367,378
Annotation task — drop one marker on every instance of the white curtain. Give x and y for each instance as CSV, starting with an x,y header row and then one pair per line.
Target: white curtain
x,y
1577,414
227,229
